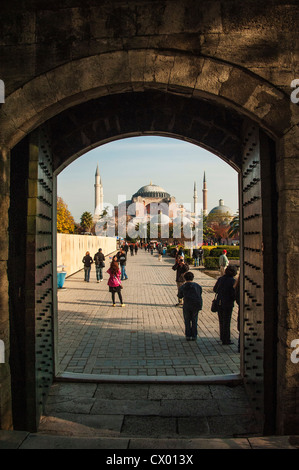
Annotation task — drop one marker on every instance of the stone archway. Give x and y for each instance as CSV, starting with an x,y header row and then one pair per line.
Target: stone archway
x,y
214,85
138,70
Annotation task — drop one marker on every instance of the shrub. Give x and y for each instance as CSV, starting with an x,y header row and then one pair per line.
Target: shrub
x,y
206,251
189,260
211,262
232,251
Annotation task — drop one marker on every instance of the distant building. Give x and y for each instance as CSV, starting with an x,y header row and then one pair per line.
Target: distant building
x,y
221,214
152,200
152,193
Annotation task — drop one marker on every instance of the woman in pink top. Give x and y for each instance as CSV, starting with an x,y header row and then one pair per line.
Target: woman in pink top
x,y
114,281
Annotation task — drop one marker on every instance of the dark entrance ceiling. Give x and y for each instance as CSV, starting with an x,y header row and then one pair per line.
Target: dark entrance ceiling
x,y
203,122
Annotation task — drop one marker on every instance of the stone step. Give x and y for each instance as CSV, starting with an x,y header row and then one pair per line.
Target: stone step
x,y
24,440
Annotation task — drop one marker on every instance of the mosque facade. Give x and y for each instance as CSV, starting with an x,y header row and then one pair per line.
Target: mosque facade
x,y
152,196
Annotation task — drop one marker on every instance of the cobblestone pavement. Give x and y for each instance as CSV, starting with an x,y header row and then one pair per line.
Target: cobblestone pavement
x,y
146,337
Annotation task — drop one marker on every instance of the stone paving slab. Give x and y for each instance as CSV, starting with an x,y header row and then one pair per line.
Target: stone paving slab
x,y
39,441
220,426
146,337
12,439
195,444
150,427
158,410
277,442
128,407
83,425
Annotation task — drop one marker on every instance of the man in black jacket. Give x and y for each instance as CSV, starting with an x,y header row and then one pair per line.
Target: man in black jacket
x,y
181,268
99,260
122,259
224,287
191,292
195,255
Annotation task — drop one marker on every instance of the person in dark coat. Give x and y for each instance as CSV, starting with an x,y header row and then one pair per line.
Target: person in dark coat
x,y
99,260
191,292
200,252
181,268
87,261
195,255
122,259
224,287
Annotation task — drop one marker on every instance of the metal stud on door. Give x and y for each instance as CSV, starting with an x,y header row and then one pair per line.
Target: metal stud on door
x,y
39,262
253,313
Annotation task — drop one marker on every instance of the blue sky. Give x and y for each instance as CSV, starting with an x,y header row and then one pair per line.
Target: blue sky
x,y
127,164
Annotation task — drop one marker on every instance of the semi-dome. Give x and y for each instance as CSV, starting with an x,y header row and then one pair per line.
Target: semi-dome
x,y
152,190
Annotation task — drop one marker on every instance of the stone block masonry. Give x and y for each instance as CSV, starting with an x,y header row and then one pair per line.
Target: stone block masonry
x,y
72,248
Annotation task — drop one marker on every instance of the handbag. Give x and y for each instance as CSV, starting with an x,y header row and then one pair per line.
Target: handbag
x,y
120,284
214,306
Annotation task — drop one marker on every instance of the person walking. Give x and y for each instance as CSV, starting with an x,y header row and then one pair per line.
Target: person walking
x,y
200,252
195,255
122,259
132,249
181,268
114,281
223,262
160,252
224,288
191,292
99,260
87,261
136,248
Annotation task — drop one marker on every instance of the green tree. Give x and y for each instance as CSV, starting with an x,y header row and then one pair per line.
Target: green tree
x,y
234,226
65,220
208,232
86,221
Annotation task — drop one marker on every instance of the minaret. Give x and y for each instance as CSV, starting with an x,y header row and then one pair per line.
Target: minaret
x,y
101,196
205,195
98,187
195,197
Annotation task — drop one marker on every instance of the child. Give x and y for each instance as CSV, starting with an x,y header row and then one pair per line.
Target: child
x,y
114,282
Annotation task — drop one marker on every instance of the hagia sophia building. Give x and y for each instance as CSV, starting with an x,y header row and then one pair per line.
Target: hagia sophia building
x,y
152,195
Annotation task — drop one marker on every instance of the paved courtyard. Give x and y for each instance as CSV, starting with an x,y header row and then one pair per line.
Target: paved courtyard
x,y
146,337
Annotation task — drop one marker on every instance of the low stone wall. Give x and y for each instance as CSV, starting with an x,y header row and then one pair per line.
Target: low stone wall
x,y
72,248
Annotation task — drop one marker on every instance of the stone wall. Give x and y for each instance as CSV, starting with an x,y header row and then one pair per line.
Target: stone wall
x,y
5,380
72,248
287,171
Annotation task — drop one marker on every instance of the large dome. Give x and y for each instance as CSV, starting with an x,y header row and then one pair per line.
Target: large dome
x,y
152,190
221,210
